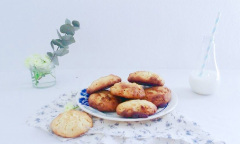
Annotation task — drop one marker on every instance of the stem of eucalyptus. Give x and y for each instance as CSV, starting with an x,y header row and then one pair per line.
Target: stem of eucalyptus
x,y
54,53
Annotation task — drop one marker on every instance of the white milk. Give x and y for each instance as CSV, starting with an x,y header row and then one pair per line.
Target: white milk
x,y
205,84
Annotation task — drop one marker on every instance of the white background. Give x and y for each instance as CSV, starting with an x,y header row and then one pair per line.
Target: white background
x,y
119,37
123,34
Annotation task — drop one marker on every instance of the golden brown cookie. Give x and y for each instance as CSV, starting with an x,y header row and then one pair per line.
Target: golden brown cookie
x,y
104,101
136,109
158,95
146,78
71,124
103,83
128,90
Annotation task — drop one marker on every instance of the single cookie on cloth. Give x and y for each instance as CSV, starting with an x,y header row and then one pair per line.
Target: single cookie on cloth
x,y
146,78
158,95
128,90
71,124
136,109
104,101
103,83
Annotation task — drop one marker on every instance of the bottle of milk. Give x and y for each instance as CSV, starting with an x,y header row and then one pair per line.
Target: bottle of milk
x,y
206,78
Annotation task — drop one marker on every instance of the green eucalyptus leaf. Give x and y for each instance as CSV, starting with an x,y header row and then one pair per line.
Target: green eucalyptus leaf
x,y
66,46
67,37
76,23
55,60
68,42
67,29
59,35
62,52
67,21
52,45
50,54
58,42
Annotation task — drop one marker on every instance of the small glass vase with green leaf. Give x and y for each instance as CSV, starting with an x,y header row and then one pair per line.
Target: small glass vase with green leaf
x,y
42,67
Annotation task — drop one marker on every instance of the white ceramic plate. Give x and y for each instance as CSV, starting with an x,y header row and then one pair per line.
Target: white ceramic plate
x,y
82,101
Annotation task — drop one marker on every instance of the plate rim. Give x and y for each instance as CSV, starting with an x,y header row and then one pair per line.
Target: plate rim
x,y
165,111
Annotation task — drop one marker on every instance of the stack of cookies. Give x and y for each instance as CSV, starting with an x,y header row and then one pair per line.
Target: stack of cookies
x,y
138,98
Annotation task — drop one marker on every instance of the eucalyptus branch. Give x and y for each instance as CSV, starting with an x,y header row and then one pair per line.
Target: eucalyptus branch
x,y
68,29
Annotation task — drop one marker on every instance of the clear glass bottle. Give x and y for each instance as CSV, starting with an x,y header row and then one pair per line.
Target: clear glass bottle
x,y
43,78
205,79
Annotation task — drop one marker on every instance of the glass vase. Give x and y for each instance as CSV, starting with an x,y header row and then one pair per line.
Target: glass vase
x,y
205,79
43,78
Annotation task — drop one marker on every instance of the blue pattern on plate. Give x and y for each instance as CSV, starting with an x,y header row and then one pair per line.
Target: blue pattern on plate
x,y
84,97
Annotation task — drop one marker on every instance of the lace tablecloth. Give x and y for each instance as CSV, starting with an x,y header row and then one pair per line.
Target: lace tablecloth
x,y
172,128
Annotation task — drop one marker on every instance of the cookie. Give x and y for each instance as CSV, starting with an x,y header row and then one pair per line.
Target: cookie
x,y
71,124
128,90
146,78
103,83
104,101
158,95
136,109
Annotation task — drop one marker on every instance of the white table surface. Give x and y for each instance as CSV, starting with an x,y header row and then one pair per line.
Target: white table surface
x,y
217,114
